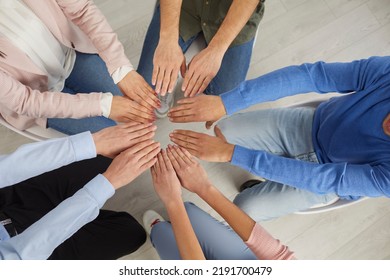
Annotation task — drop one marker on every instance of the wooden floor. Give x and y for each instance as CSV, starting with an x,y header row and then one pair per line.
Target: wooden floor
x,y
292,32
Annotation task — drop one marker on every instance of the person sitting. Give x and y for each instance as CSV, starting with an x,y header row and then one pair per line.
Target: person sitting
x,y
194,234
62,66
51,193
307,155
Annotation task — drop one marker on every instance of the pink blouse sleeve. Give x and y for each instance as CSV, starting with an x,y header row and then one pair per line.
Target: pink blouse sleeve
x,y
265,247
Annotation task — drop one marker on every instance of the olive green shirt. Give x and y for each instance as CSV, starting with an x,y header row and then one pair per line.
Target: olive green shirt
x,y
207,16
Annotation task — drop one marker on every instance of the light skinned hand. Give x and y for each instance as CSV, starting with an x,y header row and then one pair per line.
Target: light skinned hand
x,y
168,60
207,108
124,109
165,181
192,175
130,163
137,89
203,146
112,140
201,70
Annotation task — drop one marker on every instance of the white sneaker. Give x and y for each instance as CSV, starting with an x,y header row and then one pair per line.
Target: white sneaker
x,y
166,104
151,218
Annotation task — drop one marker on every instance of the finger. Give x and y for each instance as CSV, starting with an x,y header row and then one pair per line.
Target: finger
x,y
186,101
188,156
173,79
148,164
172,158
178,158
160,78
184,138
166,81
157,166
189,133
147,101
182,155
184,144
186,81
150,155
153,172
138,147
180,108
191,84
138,130
147,136
141,112
168,163
204,85
197,85
155,74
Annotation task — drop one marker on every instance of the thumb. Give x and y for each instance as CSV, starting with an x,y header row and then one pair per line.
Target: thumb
x,y
208,124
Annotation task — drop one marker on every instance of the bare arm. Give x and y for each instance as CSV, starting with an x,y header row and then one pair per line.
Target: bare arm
x,y
205,65
168,188
168,57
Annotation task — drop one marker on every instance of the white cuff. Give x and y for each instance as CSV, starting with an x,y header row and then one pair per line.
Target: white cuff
x,y
120,73
105,104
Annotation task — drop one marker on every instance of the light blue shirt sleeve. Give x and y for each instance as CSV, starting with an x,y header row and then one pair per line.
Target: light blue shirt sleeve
x,y
40,239
344,179
36,158
317,77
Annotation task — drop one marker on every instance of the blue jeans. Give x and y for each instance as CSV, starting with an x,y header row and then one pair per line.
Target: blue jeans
x,y
218,241
234,67
89,74
286,132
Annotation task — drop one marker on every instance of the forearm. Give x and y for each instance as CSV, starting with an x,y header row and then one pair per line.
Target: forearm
x,y
344,179
40,239
186,239
238,220
170,16
36,158
238,15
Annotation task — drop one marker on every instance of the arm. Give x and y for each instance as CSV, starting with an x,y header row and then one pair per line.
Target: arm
x,y
168,188
344,179
168,58
194,178
205,65
33,159
319,77
40,239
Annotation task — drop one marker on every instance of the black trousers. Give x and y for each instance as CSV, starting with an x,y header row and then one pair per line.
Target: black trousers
x,y
110,236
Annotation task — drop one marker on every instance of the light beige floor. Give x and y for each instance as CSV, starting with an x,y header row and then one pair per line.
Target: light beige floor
x,y
292,32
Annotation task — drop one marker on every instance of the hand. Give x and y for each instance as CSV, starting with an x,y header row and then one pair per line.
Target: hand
x,y
165,181
131,163
203,146
197,109
168,60
136,88
192,175
112,140
201,70
124,110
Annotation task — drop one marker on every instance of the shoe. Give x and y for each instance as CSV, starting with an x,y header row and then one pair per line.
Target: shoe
x,y
248,184
166,104
151,218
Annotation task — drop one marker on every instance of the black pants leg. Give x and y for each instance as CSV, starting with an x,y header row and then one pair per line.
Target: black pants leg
x,y
110,236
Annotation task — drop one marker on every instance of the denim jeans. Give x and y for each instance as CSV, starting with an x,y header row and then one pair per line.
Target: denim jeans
x,y
234,67
286,132
218,241
89,74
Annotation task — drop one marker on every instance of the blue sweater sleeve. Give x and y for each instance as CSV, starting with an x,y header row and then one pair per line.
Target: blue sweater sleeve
x,y
341,178
318,77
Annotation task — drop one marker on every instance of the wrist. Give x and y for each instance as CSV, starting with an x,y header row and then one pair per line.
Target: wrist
x,y
173,203
220,108
228,153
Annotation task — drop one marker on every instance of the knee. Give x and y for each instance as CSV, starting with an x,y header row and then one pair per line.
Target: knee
x,y
132,233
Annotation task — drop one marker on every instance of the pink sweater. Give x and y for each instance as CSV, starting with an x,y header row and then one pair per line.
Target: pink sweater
x,y
265,247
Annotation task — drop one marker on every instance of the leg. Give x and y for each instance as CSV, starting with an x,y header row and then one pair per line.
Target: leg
x,y
269,200
212,235
285,132
89,74
234,67
28,201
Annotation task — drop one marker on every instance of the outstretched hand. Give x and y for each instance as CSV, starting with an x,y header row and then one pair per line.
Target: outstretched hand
x,y
192,175
165,181
201,108
203,146
113,140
